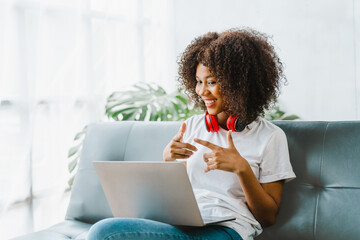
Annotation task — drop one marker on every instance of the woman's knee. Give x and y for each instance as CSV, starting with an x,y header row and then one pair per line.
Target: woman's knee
x,y
102,229
117,226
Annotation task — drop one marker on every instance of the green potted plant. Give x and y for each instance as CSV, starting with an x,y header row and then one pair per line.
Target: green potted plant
x,y
142,102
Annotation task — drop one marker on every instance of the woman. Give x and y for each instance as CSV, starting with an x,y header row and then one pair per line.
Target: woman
x,y
237,161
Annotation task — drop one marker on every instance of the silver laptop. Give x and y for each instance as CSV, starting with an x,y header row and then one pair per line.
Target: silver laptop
x,y
159,191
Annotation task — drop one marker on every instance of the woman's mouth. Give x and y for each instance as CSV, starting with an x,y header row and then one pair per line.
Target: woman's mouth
x,y
210,102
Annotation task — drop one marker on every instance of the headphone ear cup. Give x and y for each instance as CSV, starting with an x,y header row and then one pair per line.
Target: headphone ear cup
x,y
240,126
214,123
211,123
233,124
207,122
230,123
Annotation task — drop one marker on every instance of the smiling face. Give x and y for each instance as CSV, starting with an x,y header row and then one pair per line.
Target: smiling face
x,y
208,89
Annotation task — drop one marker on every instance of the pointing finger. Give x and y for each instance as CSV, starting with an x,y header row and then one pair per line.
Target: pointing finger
x,y
183,127
230,140
206,144
180,134
180,145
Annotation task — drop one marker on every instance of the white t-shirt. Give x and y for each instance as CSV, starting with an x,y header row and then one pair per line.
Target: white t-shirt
x,y
218,192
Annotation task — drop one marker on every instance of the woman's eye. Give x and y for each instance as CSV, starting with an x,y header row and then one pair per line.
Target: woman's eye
x,y
212,83
198,82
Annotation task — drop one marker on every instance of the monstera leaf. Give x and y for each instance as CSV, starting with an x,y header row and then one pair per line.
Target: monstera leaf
x,y
149,102
277,114
74,154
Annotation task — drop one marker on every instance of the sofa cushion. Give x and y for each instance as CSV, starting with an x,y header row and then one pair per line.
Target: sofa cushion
x,y
65,230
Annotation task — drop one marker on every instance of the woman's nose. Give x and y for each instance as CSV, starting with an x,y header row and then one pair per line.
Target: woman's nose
x,y
203,90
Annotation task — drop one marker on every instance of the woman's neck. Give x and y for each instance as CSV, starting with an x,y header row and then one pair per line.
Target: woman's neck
x,y
222,118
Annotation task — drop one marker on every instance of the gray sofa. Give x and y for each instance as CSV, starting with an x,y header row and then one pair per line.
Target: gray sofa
x,y
322,203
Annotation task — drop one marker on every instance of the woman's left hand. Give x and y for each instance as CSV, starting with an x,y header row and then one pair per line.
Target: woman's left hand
x,y
227,159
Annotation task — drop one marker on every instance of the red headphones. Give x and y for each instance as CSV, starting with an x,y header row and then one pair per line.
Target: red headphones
x,y
232,123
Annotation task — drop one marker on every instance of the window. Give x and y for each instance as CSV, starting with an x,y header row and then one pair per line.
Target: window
x,y
59,60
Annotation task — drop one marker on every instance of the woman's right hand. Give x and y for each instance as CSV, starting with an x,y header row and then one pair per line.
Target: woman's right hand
x,y
177,149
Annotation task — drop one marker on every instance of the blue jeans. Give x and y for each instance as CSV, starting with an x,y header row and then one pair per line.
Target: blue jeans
x,y
138,229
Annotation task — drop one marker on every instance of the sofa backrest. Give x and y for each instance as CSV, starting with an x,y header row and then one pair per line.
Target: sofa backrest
x,y
115,141
321,203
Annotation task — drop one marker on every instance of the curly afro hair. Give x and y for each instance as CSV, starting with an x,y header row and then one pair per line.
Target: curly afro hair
x,y
245,65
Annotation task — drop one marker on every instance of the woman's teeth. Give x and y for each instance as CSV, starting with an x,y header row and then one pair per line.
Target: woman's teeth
x,y
209,103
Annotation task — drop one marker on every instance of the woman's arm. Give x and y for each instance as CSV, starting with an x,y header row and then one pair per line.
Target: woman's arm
x,y
263,199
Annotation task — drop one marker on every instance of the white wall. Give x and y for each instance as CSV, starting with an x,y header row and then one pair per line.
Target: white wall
x,y
319,42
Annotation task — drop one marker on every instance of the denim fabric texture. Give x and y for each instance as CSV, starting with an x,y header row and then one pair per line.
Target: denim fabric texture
x,y
138,229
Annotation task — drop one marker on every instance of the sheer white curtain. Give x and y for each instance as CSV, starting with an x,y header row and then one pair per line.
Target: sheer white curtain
x,y
59,60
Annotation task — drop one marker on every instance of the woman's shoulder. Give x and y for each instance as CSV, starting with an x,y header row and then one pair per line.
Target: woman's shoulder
x,y
270,135
264,127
